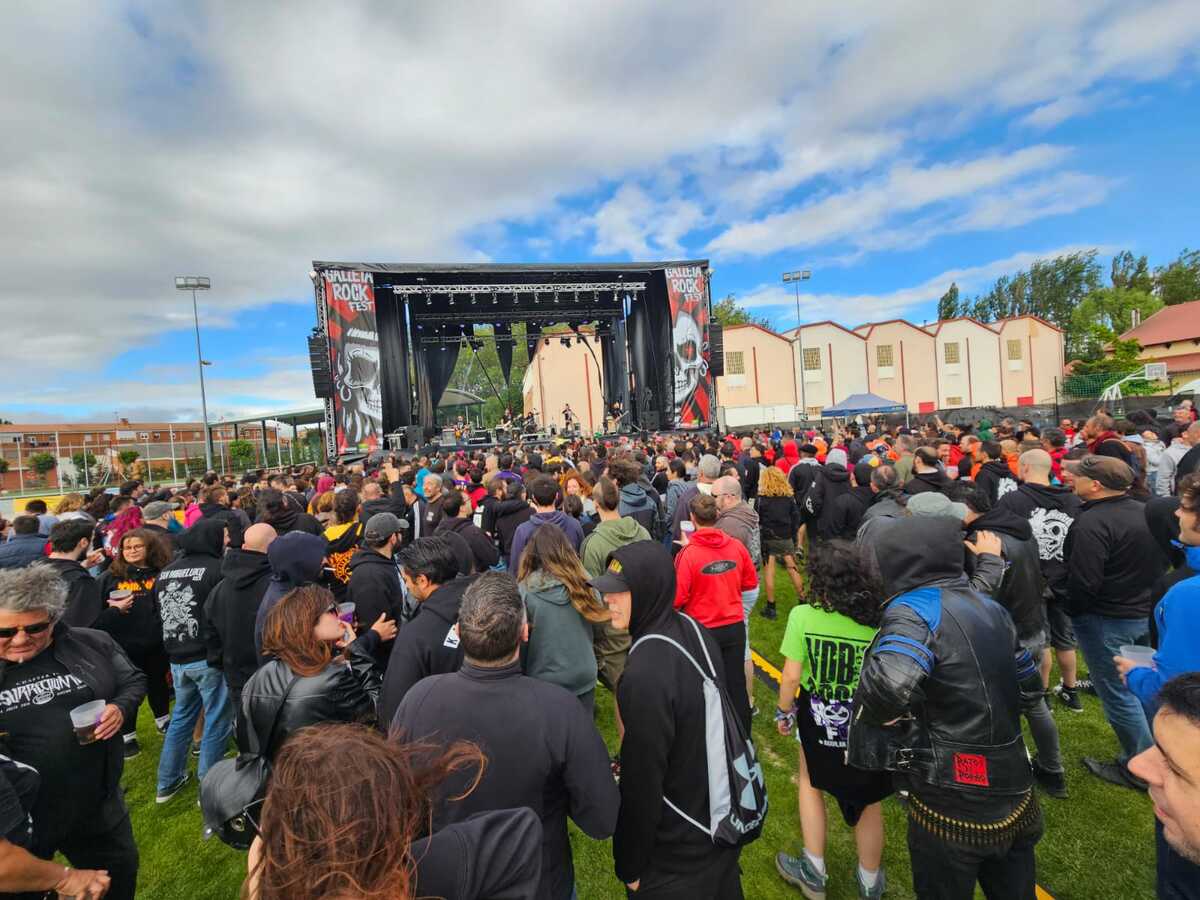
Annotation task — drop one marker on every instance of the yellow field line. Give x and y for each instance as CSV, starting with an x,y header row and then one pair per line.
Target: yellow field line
x,y
761,662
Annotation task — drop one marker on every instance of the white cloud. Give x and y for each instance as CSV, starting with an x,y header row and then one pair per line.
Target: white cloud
x,y
1059,110
635,224
854,309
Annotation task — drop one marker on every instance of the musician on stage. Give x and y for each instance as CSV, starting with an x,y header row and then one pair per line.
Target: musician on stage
x,y
568,417
614,415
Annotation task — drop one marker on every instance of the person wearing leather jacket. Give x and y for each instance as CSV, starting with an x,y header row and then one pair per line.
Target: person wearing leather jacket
x,y
318,671
939,703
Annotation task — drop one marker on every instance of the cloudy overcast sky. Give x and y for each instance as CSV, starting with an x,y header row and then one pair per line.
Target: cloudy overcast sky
x,y
890,147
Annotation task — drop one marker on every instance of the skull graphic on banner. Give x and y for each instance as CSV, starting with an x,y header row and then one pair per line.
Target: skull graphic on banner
x,y
354,358
687,294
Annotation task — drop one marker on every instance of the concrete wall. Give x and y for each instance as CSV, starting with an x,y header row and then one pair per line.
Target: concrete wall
x,y
843,365
1031,364
767,375
912,377
560,375
974,380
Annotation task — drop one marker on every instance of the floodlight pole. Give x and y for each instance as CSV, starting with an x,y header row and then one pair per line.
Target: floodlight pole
x,y
193,284
797,277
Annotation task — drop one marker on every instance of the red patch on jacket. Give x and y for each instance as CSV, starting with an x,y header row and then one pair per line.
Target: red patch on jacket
x,y
970,768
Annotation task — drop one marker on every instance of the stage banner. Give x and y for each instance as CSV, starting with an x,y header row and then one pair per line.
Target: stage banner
x,y
687,293
354,358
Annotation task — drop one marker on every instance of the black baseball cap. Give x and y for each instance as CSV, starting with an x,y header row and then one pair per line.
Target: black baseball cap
x,y
612,581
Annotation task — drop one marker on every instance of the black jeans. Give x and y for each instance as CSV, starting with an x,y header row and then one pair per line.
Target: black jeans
x,y
156,666
113,850
948,871
731,641
720,879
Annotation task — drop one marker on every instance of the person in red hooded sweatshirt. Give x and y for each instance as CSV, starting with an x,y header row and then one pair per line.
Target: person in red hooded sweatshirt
x,y
791,456
711,573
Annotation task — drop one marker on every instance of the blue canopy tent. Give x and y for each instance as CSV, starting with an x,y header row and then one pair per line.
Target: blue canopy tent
x,y
862,405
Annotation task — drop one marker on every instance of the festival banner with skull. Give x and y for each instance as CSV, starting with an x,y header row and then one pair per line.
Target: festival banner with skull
x,y
354,357
687,292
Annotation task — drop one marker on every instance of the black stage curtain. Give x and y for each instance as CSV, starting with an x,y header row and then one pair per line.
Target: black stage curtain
x,y
441,362
394,361
612,354
504,351
649,326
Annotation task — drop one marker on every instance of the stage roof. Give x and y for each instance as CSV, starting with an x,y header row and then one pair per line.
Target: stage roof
x,y
572,269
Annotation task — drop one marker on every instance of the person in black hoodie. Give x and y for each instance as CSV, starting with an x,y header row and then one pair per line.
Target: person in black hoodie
x,y
927,474
180,592
282,515
232,606
1021,591
1113,563
375,588
542,749
832,483
428,644
850,507
296,560
509,515
994,475
657,852
70,542
1050,511
481,552
215,504
134,622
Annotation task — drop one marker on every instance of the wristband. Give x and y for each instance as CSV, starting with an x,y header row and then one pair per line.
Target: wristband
x,y
788,716
62,882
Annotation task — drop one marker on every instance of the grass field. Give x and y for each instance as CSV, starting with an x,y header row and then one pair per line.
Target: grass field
x,y
1098,844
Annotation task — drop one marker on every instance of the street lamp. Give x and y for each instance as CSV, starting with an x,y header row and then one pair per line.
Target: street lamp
x,y
795,278
195,283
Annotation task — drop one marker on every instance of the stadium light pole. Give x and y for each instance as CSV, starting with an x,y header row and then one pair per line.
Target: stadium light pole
x,y
795,278
195,283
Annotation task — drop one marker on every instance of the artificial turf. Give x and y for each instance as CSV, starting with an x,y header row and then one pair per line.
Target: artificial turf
x,y
1098,844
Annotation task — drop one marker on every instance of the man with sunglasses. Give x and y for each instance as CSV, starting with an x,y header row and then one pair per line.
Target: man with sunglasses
x,y
48,668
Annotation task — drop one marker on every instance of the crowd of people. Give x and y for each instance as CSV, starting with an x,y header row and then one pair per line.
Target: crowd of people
x,y
405,652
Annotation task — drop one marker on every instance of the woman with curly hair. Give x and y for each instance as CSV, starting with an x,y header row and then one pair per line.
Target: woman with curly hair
x,y
824,646
779,519
574,483
361,831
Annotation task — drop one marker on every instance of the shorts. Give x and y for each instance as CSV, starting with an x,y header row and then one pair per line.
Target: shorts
x,y
611,646
778,547
1062,634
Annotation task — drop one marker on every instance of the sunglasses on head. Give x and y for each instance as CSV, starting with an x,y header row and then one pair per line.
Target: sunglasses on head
x,y
30,630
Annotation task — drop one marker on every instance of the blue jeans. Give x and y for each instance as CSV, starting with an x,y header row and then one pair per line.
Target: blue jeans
x,y
196,686
1100,638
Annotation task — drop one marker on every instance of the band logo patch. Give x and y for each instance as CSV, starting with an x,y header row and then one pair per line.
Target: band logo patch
x,y
970,768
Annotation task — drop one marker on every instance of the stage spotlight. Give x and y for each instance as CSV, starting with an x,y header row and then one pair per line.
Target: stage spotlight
x,y
451,299
495,299
472,298
566,342
312,274
595,295
556,296
547,342
614,296
535,297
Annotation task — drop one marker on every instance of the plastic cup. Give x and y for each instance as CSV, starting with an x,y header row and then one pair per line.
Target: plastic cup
x,y
1142,656
121,594
346,612
85,718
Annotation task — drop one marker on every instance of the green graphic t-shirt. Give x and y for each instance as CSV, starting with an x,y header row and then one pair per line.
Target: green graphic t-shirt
x,y
830,647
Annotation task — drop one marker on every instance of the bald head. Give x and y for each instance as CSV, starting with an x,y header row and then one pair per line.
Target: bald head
x,y
1192,435
727,484
257,538
1034,466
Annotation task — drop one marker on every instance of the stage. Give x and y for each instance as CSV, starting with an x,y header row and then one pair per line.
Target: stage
x,y
392,334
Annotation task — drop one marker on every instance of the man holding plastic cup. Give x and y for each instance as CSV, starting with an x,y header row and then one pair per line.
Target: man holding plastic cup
x,y
49,669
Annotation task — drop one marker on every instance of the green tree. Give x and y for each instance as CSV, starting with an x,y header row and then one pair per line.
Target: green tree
x,y
1131,272
948,305
1179,282
478,372
728,312
1105,314
241,455
128,457
42,463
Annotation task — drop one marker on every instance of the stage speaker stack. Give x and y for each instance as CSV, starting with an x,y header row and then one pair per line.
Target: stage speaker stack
x,y
448,438
716,349
479,438
318,360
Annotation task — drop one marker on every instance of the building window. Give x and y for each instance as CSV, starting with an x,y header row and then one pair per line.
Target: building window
x,y
950,353
954,401
735,362
1014,350
814,412
812,359
884,357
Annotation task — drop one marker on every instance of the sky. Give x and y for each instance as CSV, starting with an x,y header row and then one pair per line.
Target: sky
x,y
891,148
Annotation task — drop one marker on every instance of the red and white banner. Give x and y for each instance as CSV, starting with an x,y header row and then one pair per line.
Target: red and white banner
x,y
354,358
687,292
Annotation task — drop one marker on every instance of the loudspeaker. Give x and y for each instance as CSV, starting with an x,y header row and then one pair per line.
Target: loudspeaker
x,y
651,420
318,360
716,349
413,436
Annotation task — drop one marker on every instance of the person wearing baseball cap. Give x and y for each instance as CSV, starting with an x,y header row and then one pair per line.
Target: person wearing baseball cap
x,y
157,516
663,750
375,587
1113,561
